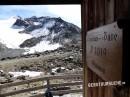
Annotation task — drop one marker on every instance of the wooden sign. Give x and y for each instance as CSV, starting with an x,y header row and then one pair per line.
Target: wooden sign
x,y
104,52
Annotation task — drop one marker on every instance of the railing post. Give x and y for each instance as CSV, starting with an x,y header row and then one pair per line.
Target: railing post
x,y
48,84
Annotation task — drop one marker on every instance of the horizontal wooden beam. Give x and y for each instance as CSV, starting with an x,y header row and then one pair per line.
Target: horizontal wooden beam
x,y
71,76
41,87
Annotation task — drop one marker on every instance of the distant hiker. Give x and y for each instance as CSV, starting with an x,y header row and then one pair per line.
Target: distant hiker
x,y
48,93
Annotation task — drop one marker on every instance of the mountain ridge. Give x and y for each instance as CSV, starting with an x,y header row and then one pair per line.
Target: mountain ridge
x,y
43,33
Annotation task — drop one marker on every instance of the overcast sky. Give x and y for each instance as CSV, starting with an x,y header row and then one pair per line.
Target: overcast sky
x,y
69,13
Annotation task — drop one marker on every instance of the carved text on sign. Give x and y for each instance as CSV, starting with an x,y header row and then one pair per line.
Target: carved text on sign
x,y
104,51
98,51
106,37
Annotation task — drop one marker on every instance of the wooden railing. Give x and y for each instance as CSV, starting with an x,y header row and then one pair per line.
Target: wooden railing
x,y
76,80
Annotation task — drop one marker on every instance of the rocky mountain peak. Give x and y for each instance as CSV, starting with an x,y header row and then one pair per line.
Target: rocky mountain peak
x,y
52,29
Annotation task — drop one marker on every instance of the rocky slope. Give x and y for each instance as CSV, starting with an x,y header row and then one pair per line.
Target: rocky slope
x,y
62,60
8,52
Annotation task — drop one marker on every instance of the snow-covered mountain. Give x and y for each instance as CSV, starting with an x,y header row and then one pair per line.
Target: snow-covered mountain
x,y
36,34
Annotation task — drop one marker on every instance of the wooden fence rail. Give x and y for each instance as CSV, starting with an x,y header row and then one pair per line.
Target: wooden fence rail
x,y
50,85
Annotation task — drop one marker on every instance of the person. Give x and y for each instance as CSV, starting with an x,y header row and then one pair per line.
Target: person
x,y
48,93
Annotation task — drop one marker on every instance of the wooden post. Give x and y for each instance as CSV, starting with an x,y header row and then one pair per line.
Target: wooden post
x,y
84,20
95,89
48,84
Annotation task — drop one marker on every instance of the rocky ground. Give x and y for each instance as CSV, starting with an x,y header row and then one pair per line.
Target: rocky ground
x,y
66,59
